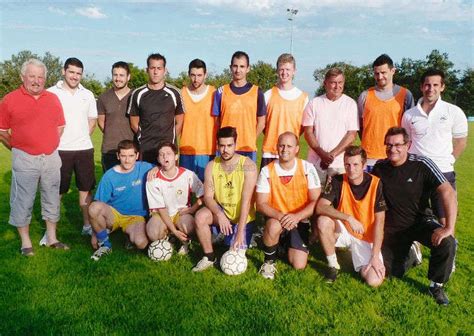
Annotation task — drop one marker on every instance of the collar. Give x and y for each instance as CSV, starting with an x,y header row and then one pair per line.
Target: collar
x,y
60,85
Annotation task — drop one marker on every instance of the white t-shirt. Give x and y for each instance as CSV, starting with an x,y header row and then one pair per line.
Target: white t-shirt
x,y
263,185
78,109
173,193
432,134
331,121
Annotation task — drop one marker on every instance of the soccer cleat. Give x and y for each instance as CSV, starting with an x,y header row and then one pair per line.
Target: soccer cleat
x,y
86,230
203,264
184,249
437,292
100,252
416,250
331,274
268,270
44,240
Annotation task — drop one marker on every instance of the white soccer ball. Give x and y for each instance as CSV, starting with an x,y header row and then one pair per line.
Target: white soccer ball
x,y
234,262
160,250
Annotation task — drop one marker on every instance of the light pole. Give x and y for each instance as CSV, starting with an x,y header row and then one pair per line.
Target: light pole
x,y
291,14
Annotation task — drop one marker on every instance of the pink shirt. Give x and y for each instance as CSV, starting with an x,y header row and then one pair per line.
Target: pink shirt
x,y
331,121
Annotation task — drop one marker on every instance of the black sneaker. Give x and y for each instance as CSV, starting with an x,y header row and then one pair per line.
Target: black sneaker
x,y
331,274
437,292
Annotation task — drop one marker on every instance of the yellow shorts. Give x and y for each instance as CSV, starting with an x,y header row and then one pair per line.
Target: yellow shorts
x,y
123,221
174,218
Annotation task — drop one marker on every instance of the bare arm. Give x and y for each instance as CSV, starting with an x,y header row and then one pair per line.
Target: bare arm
x,y
325,208
92,122
5,138
101,122
208,198
179,123
134,121
250,180
347,140
379,224
170,225
448,197
261,124
459,145
60,130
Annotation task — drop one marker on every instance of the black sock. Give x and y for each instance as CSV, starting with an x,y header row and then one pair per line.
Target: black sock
x,y
270,253
210,256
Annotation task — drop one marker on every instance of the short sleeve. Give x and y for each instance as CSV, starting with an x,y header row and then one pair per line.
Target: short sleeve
x,y
263,185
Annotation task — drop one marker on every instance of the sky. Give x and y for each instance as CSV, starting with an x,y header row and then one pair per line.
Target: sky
x,y
323,31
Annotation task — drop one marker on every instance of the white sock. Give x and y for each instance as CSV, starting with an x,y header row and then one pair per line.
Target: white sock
x,y
332,261
432,284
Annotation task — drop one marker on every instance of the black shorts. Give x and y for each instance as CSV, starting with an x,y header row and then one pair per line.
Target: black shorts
x,y
296,238
80,162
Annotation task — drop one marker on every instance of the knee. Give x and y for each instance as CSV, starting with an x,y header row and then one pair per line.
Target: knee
x,y
448,246
272,228
95,209
373,280
140,242
325,224
202,219
299,264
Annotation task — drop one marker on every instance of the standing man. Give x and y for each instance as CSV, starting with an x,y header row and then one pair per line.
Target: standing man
x,y
408,181
438,130
120,201
75,148
241,105
112,114
330,126
285,105
351,214
380,108
26,115
229,184
287,191
197,144
155,110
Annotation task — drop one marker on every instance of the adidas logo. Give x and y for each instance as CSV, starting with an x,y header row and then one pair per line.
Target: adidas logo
x,y
229,185
409,180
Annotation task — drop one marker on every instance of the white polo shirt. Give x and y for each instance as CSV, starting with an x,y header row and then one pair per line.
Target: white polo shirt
x,y
331,121
78,109
432,134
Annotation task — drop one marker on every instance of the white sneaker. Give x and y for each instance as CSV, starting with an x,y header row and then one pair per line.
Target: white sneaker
x,y
184,249
86,230
44,240
203,265
416,248
100,252
268,270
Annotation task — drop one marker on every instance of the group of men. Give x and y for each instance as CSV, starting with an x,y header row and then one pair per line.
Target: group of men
x,y
373,198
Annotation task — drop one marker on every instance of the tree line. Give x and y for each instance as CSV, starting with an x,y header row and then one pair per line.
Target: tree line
x,y
459,83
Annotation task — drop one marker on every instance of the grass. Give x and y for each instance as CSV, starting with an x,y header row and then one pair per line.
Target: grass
x,y
64,292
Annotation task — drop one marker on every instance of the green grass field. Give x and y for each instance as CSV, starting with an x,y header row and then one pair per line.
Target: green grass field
x,y
64,292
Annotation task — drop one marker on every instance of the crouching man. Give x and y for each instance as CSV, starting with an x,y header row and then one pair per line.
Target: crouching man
x,y
351,214
287,192
120,201
169,198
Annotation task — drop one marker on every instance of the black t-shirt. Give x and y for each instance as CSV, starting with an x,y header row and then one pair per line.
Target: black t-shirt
x,y
157,110
333,192
407,189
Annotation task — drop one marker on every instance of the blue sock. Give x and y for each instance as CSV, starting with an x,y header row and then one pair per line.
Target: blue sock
x,y
103,238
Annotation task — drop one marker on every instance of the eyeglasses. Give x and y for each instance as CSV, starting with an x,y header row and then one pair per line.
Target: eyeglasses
x,y
397,146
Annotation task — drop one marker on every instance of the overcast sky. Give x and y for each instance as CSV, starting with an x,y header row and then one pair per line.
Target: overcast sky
x,y
324,31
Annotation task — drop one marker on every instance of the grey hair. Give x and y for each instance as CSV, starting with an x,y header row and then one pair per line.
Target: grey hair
x,y
35,62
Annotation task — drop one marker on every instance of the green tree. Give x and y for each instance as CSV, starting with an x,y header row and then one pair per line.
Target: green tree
x,y
357,79
91,83
138,77
10,70
263,75
218,80
465,94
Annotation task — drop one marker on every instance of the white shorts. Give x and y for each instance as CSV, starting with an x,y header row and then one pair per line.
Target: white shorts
x,y
361,250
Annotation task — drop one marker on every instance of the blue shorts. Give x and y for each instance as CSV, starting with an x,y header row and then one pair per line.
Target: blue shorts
x,y
251,155
195,163
229,239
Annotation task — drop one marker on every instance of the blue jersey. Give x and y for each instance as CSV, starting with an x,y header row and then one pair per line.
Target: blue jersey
x,y
125,192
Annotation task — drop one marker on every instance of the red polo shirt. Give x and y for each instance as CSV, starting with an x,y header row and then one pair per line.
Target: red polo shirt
x,y
33,122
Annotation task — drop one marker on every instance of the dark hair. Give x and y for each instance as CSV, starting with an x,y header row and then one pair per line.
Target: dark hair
x,y
197,64
396,131
240,54
354,151
433,72
291,134
156,57
74,62
127,144
227,132
167,144
383,59
121,64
